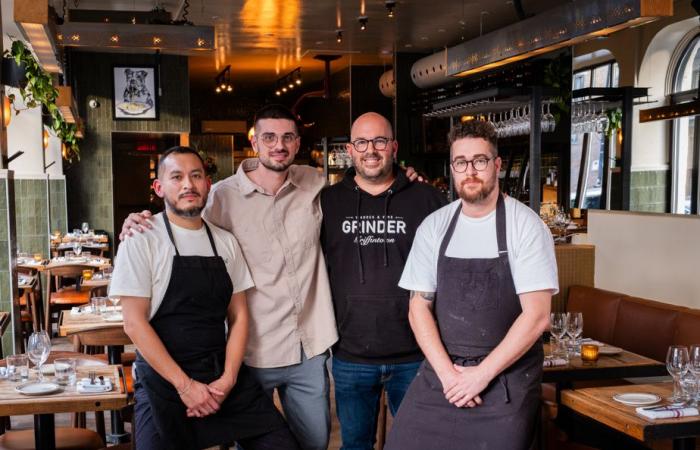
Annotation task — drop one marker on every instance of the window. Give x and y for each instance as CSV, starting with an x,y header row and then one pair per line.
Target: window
x,y
685,146
602,75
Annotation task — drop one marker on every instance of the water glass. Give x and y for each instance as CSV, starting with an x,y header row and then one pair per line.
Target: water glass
x,y
689,389
38,349
65,371
99,305
574,327
17,367
557,348
677,364
85,228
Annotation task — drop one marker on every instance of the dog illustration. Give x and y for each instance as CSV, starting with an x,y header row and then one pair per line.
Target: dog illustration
x,y
136,90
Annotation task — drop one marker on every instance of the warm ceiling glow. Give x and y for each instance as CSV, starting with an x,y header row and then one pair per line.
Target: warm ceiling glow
x,y
271,21
6,111
114,38
75,38
156,40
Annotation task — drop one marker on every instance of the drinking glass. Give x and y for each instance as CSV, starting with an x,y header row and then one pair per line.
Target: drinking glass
x,y
65,370
38,349
17,367
98,305
77,248
677,364
557,326
114,301
574,326
694,363
85,228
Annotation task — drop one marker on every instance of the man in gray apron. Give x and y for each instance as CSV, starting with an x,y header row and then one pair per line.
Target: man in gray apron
x,y
192,390
482,271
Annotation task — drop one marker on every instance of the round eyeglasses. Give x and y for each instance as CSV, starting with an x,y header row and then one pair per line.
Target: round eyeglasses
x,y
479,164
271,139
379,143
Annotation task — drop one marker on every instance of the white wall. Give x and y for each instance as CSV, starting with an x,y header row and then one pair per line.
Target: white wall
x,y
654,256
25,134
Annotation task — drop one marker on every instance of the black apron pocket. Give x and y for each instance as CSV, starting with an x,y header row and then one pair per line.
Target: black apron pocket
x,y
480,291
374,326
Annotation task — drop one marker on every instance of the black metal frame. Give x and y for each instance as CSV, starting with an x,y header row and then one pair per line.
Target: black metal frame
x,y
155,93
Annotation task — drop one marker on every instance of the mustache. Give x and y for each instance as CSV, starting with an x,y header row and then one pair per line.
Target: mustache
x,y
279,152
193,192
471,180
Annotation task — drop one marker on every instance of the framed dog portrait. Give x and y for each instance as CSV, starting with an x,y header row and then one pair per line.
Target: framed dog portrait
x,y
135,93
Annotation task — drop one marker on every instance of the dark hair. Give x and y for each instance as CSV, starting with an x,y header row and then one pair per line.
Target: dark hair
x,y
275,111
475,129
178,150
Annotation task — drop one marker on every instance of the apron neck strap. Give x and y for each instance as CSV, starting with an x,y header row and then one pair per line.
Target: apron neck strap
x,y
172,239
500,227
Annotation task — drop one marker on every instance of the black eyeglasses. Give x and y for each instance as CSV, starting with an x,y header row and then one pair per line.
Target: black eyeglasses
x,y
479,164
379,143
270,139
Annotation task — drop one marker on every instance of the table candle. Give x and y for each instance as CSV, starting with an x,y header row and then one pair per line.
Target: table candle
x,y
87,274
589,352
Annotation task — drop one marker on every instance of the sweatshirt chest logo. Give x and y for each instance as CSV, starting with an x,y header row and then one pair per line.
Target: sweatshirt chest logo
x,y
374,229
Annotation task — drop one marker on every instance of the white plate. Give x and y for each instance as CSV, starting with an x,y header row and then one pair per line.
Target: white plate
x,y
114,318
637,398
37,388
609,350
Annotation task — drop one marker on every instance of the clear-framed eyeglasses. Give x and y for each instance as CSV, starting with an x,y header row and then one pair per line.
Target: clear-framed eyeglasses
x,y
461,165
379,143
271,139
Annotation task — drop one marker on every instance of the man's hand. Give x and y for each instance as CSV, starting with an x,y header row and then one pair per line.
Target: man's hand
x,y
412,175
463,387
220,388
136,221
199,399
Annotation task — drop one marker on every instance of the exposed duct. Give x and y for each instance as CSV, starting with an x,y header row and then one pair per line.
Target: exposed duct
x,y
387,84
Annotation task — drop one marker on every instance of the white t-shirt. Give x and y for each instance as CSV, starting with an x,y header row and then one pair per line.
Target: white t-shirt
x,y
144,262
530,247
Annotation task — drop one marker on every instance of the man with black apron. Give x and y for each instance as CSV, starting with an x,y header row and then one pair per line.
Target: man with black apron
x,y
482,271
192,390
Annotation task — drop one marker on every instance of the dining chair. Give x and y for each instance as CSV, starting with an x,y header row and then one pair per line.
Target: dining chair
x,y
67,438
65,297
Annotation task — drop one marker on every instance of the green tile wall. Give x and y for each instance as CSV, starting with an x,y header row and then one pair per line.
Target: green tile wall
x,y
32,215
5,297
219,147
57,205
648,191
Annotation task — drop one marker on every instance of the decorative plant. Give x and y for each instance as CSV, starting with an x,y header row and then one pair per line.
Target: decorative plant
x,y
614,121
39,90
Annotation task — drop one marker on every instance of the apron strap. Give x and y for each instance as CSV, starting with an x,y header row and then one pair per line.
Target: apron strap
x,y
450,230
172,239
501,226
170,231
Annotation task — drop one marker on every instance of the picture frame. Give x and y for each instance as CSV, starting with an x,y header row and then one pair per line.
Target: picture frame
x,y
135,92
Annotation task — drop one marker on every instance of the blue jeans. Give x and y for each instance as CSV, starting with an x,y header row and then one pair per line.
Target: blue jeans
x,y
358,388
304,391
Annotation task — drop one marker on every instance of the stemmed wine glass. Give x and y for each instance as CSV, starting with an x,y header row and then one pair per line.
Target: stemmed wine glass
x,y
77,248
85,227
694,365
677,364
38,349
574,326
557,326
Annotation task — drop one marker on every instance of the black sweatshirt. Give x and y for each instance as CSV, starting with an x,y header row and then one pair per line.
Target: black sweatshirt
x,y
366,239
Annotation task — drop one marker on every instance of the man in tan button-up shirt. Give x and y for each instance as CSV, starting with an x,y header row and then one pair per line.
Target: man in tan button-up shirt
x,y
273,209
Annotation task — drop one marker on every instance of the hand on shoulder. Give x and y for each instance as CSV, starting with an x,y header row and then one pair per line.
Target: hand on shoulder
x,y
139,222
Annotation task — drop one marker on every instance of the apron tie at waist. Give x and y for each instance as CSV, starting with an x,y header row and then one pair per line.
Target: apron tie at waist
x,y
468,361
504,382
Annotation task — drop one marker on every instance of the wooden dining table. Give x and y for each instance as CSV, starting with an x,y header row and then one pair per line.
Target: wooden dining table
x,y
597,404
68,400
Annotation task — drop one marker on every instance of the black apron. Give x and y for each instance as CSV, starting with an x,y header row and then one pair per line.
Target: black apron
x,y
191,324
475,306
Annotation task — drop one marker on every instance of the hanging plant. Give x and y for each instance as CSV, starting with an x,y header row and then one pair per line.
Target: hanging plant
x,y
39,90
614,121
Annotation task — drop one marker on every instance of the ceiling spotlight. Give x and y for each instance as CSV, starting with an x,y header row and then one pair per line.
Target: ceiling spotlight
x,y
114,38
298,81
278,92
201,42
218,90
75,38
339,36
156,40
223,86
390,5
363,22
229,88
284,89
291,85
222,81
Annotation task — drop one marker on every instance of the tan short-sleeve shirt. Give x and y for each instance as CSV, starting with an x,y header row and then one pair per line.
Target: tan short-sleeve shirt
x,y
290,305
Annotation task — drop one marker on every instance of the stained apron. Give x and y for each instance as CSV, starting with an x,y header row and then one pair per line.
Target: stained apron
x,y
475,306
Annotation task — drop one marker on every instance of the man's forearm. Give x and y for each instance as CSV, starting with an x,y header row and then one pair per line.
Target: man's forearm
x,y
154,352
237,335
425,329
524,332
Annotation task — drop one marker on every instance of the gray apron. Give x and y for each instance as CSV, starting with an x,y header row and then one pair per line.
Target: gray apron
x,y
475,306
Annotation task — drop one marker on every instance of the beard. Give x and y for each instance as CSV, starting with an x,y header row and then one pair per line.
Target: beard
x,y
188,213
375,174
480,195
275,166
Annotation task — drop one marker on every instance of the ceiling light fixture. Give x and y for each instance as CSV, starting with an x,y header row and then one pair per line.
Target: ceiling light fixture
x,y
156,40
363,22
288,82
34,21
390,5
339,36
222,81
114,38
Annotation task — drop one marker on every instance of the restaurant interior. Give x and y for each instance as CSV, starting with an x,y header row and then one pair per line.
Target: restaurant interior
x,y
594,103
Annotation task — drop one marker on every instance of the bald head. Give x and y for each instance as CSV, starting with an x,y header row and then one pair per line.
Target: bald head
x,y
371,120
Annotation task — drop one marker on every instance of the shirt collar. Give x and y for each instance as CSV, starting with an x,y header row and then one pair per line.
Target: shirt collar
x,y
247,186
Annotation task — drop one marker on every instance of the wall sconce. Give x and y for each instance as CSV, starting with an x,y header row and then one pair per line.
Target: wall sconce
x,y
363,22
6,111
223,81
288,82
390,5
339,36
45,139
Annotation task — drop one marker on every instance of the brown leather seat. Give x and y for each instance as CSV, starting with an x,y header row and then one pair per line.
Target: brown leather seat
x,y
599,308
66,439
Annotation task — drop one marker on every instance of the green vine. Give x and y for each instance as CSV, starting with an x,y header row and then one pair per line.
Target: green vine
x,y
614,121
39,90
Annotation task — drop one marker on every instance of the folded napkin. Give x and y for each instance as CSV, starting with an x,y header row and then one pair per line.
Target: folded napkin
x,y
554,362
84,387
667,412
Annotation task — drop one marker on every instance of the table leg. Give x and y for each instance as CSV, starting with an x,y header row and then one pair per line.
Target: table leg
x,y
684,443
44,432
117,436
